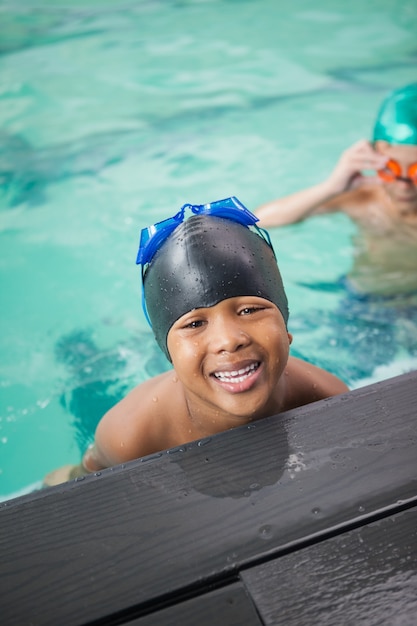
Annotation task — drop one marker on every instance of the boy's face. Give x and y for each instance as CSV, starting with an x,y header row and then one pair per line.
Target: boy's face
x,y
230,358
403,193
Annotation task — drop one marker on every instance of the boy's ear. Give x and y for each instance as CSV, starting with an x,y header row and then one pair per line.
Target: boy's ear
x,y
289,338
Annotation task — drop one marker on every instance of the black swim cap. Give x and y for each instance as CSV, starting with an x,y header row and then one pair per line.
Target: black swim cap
x,y
204,261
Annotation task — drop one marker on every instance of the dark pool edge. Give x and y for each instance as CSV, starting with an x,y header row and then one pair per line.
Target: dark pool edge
x,y
165,533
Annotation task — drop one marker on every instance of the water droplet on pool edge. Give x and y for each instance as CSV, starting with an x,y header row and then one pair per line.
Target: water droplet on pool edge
x,y
204,442
265,532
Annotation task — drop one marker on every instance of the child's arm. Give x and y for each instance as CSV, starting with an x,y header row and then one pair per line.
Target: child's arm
x,y
92,461
129,430
324,197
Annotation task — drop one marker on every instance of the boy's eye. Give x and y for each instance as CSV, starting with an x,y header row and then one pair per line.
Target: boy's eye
x,y
248,310
194,324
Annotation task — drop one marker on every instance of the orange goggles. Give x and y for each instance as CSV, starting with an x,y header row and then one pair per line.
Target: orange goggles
x,y
392,171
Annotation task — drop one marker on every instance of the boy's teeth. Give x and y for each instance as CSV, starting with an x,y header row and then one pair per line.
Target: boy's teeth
x,y
236,376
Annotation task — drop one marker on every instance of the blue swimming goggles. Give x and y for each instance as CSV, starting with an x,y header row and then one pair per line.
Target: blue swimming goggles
x,y
152,237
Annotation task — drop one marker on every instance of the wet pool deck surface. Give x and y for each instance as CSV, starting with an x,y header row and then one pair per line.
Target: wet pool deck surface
x,y
309,517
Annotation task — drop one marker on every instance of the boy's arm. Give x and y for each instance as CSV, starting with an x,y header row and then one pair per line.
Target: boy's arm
x,y
90,463
324,197
125,432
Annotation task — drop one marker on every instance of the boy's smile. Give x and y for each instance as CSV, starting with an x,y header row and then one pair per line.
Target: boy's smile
x,y
230,358
239,377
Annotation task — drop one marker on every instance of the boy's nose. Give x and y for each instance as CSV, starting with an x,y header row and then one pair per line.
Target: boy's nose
x,y
227,335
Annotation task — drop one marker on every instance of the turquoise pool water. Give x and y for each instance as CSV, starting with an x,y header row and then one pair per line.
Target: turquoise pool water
x,y
112,115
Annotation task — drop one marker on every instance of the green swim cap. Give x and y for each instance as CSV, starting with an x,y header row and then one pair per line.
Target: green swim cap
x,y
206,260
397,118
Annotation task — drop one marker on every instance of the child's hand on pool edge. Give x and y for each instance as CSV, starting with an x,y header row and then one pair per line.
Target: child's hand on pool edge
x,y
63,474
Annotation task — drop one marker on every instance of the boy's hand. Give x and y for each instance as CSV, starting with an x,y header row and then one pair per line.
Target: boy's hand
x,y
353,161
60,475
65,473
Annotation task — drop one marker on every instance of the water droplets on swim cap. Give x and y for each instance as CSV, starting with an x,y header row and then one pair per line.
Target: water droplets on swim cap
x,y
204,261
397,118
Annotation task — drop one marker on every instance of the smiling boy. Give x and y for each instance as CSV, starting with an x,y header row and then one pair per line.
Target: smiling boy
x,y
217,306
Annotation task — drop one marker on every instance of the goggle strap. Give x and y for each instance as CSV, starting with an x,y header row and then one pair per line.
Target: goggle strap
x,y
145,310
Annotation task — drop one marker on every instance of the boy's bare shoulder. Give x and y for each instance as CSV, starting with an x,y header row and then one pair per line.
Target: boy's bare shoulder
x,y
307,383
